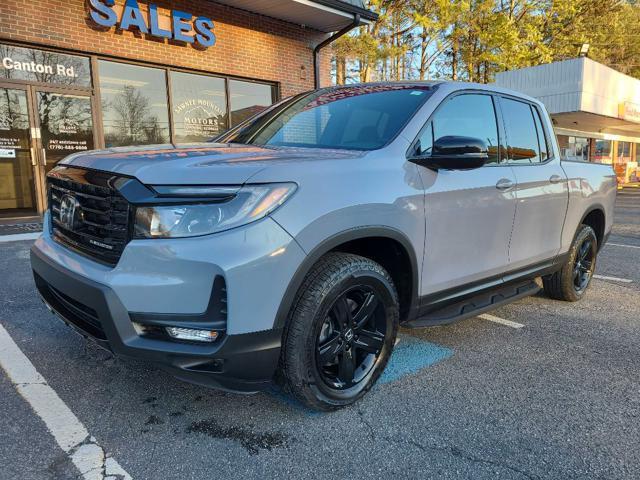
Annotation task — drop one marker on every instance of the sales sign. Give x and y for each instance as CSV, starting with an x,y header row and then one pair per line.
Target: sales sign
x,y
182,26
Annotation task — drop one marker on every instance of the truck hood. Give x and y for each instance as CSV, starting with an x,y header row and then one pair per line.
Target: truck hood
x,y
210,163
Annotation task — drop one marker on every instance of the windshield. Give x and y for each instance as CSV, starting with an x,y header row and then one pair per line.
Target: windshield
x,y
365,117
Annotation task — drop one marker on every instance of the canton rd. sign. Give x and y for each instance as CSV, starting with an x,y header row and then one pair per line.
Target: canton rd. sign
x,y
33,65
180,26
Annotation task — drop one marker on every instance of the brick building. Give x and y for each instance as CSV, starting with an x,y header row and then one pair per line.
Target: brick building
x,y
84,74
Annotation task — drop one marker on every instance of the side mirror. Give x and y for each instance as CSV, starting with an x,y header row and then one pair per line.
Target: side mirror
x,y
455,153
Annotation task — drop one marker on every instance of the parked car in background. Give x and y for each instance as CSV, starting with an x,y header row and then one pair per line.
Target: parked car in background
x,y
297,244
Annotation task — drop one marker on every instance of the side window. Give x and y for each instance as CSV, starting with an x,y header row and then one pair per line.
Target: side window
x,y
542,136
522,137
467,115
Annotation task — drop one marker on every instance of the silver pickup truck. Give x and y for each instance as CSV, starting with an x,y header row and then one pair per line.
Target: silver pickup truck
x,y
293,247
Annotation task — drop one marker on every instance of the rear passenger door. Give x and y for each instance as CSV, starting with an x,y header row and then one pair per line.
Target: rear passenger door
x,y
541,185
469,212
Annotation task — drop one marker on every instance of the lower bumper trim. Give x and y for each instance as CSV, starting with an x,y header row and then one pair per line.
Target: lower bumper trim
x,y
241,363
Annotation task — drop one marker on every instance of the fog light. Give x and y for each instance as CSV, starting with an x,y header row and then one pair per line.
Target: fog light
x,y
192,334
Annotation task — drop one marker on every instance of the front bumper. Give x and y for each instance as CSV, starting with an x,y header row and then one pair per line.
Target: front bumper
x,y
236,362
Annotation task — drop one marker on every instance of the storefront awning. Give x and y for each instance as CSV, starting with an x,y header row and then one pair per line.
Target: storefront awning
x,y
596,124
324,15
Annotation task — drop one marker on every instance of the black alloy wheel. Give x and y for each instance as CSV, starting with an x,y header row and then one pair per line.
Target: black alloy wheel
x,y
351,338
340,332
571,282
583,265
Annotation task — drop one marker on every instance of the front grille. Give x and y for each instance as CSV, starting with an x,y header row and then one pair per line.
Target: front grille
x,y
99,227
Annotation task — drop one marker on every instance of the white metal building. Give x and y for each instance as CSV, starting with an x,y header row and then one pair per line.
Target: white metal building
x,y
595,110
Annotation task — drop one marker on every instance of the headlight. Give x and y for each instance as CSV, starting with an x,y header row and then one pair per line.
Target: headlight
x,y
202,217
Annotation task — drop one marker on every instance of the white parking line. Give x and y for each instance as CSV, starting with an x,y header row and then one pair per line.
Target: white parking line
x,y
621,245
615,279
72,436
19,236
502,321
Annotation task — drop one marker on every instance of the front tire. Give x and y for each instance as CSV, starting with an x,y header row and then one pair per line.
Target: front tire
x,y
571,282
341,331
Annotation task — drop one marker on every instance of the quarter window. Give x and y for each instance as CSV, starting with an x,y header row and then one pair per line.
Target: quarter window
x,y
542,136
522,138
467,115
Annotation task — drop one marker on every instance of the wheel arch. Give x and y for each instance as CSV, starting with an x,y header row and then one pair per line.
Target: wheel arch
x,y
349,241
596,219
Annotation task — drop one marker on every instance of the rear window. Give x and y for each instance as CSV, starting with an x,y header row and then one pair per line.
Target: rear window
x,y
360,118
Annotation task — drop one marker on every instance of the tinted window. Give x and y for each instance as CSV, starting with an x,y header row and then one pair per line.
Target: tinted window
x,y
247,99
466,115
542,136
199,107
363,118
134,104
522,138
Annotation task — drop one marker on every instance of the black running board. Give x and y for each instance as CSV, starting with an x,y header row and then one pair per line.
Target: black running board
x,y
475,305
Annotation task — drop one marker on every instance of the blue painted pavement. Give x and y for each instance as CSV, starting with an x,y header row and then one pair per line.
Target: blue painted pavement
x,y
410,356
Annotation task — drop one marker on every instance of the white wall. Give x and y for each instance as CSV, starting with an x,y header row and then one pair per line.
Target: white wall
x,y
579,84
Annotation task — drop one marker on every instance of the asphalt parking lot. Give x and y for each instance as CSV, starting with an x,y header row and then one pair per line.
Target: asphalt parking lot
x,y
554,394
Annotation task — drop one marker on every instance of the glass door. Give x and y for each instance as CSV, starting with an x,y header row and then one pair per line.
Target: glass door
x,y
63,125
66,125
17,161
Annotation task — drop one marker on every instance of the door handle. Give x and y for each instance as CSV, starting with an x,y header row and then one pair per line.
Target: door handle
x,y
44,157
555,178
504,184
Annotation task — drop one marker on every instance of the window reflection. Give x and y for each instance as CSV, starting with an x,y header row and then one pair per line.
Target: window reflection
x,y
199,107
467,115
247,99
134,104
66,123
521,132
33,65
17,191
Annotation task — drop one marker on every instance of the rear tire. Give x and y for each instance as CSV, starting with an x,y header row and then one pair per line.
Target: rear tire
x,y
571,282
340,332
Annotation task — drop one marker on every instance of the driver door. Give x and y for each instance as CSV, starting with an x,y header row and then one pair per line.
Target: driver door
x,y
469,213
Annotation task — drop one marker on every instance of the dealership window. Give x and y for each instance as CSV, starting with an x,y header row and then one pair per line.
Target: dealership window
x,y
603,151
199,107
42,66
574,148
248,98
134,104
624,150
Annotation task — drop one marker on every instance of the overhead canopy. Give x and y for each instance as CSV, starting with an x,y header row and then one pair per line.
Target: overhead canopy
x,y
324,15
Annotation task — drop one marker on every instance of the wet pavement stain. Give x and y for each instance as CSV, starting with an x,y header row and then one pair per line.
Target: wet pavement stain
x,y
253,442
154,420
